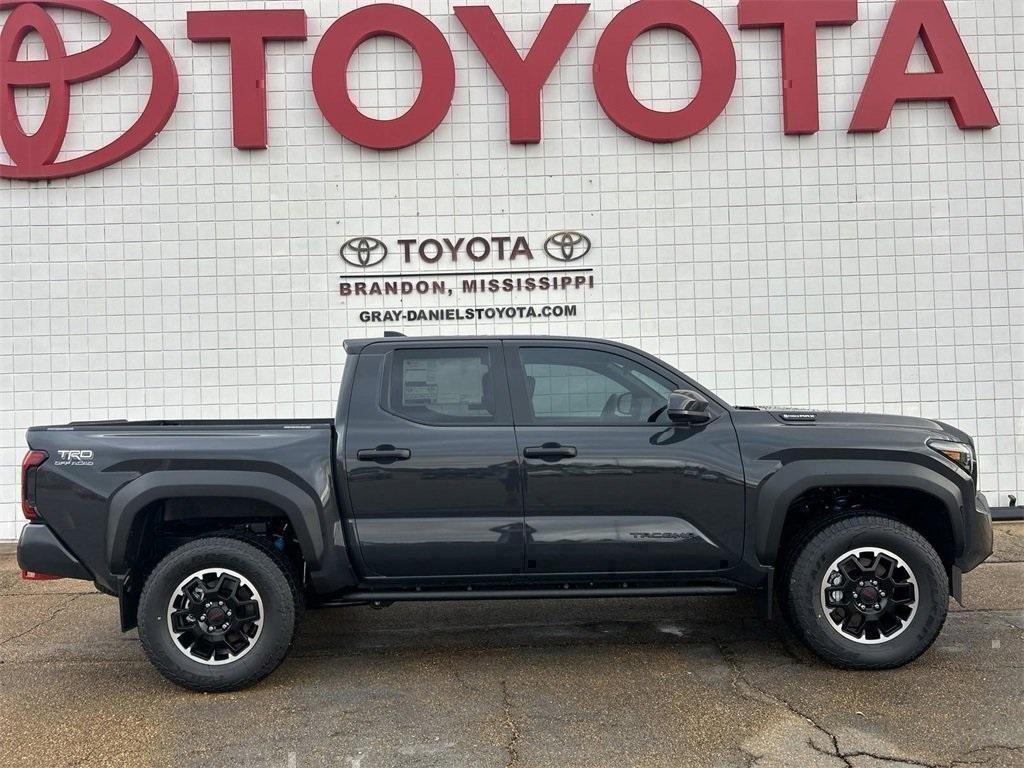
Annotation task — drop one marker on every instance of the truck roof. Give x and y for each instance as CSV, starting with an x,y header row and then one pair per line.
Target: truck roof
x,y
355,346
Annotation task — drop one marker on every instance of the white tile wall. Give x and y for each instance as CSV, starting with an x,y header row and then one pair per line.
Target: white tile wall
x,y
863,272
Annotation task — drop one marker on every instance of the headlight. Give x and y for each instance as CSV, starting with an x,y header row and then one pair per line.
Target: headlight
x,y
959,453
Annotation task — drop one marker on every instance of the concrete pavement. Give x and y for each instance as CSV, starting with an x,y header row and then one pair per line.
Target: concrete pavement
x,y
590,683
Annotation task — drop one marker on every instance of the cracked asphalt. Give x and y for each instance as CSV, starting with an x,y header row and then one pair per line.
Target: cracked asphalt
x,y
590,683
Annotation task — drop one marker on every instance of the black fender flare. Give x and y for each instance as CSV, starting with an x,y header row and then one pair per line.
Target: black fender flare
x,y
304,510
780,490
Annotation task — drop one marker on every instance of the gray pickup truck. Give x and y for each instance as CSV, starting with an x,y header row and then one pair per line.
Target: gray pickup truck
x,y
519,467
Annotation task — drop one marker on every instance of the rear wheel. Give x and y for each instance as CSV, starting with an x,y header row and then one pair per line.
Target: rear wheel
x,y
217,614
867,592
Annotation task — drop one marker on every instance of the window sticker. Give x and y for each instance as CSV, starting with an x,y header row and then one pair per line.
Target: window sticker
x,y
446,382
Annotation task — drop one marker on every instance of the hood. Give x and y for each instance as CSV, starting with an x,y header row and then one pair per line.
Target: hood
x,y
869,420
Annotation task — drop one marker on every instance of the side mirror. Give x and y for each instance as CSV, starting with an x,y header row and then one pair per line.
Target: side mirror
x,y
624,404
688,407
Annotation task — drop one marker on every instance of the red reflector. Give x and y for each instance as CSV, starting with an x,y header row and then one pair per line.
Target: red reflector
x,y
33,576
28,491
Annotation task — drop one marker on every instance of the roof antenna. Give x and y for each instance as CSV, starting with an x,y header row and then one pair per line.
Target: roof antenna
x,y
393,335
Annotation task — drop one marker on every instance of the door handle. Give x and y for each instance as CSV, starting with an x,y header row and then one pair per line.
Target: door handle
x,y
550,452
384,453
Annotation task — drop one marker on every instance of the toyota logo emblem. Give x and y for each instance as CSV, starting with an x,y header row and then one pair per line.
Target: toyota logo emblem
x,y
364,251
567,246
33,156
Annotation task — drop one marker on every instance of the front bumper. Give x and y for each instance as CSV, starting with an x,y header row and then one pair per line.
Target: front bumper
x,y
977,535
40,551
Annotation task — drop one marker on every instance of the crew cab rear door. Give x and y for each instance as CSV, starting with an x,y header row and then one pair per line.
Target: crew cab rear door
x,y
612,485
434,483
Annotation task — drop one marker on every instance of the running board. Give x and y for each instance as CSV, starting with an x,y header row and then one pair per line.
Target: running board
x,y
525,594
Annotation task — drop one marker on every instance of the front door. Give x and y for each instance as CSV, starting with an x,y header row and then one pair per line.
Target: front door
x,y
612,485
434,484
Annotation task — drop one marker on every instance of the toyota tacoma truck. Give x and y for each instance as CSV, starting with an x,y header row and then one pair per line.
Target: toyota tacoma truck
x,y
506,468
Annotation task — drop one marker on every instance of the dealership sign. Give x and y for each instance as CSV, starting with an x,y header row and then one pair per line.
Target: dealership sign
x,y
428,265
246,32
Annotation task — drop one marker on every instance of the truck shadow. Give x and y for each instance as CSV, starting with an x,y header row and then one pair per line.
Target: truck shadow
x,y
495,625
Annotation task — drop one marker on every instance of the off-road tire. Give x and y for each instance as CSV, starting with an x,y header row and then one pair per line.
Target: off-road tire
x,y
275,584
801,592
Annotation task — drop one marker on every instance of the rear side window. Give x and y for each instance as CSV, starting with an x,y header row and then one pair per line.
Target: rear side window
x,y
442,386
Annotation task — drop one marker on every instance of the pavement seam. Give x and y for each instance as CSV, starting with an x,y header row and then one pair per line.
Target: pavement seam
x,y
54,614
512,745
748,690
988,747
46,594
969,611
751,692
846,757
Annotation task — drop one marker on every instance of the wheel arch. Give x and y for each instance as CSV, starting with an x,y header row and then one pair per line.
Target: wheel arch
x,y
778,494
128,505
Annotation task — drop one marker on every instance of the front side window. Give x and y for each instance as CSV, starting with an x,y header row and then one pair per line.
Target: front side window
x,y
590,386
442,386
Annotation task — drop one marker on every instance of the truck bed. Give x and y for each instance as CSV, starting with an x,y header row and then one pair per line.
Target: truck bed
x,y
101,490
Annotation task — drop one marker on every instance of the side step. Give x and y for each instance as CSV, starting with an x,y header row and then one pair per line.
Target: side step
x,y
525,594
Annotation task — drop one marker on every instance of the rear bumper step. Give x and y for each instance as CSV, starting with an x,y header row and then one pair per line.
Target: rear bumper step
x,y
41,553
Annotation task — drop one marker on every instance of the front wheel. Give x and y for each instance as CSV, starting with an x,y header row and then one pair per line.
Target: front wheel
x,y
867,592
217,614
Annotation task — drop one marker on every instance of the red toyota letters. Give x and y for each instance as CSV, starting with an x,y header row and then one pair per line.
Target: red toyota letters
x,y
953,79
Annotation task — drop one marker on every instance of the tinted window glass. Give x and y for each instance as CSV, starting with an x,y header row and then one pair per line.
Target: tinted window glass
x,y
442,386
578,385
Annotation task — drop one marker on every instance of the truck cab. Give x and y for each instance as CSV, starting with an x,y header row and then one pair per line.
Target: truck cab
x,y
534,460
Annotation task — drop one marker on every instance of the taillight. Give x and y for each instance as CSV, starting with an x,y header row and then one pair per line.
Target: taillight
x,y
28,483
